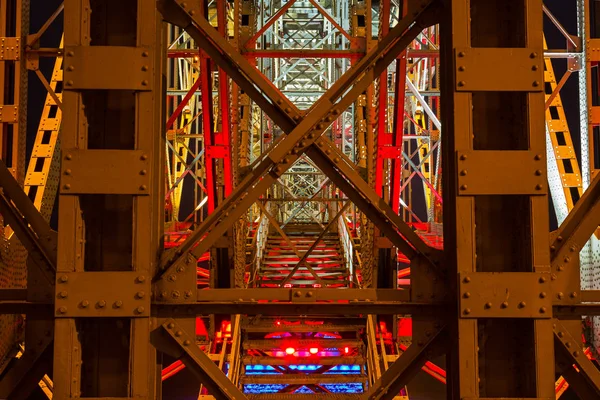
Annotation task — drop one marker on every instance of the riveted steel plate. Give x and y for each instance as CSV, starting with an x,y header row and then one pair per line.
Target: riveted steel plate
x,y
108,67
9,114
594,49
595,115
501,172
10,48
104,172
499,69
102,294
505,295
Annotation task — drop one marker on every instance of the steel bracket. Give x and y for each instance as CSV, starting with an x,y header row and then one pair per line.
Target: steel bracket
x,y
390,151
179,285
102,294
499,172
105,172
217,151
108,67
593,46
513,69
505,295
10,48
9,114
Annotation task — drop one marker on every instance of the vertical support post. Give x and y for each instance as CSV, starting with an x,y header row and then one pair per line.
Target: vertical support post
x,y
111,230
489,233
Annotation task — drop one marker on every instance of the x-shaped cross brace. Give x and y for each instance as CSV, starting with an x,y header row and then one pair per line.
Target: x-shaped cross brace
x,y
304,131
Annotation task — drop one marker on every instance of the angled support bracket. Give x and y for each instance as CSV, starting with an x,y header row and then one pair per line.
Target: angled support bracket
x,y
173,340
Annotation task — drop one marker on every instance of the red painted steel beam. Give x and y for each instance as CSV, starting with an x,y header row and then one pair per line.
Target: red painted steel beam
x,y
383,136
223,138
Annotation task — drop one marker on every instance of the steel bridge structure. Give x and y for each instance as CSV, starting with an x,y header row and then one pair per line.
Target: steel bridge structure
x,y
298,199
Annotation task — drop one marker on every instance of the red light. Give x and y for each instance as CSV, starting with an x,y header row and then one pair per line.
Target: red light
x,y
290,350
316,285
278,323
346,350
313,350
287,285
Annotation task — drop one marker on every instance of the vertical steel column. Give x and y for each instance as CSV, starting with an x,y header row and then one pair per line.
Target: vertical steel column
x,y
496,229
14,28
111,200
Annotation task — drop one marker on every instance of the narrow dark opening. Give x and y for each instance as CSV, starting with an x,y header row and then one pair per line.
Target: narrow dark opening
x,y
59,87
39,164
560,138
46,136
567,165
554,112
245,19
596,146
574,194
497,23
32,192
105,349
500,121
113,22
52,111
111,119
360,19
108,222
7,155
548,87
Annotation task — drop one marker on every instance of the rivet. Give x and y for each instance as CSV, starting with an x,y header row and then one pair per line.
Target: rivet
x,y
178,333
143,172
463,187
62,310
534,68
467,279
467,311
522,304
542,310
538,172
542,295
573,295
140,294
84,304
143,187
466,295
553,248
175,294
67,186
567,344
288,110
192,12
319,126
188,293
101,304
145,54
536,83
63,294
538,187
68,156
298,294
144,83
70,68
140,310
542,279
504,304
461,68
186,342
64,278
70,53
144,157
488,305
561,334
573,248
171,325
309,294
538,157
141,279
69,83
118,304
145,68
335,111
560,295
68,171
336,160
576,353
461,54
533,55
463,157
463,172
462,83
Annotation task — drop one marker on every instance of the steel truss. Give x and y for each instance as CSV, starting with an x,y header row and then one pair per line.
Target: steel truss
x,y
290,114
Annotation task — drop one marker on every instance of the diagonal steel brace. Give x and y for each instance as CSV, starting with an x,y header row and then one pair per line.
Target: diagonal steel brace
x,y
302,130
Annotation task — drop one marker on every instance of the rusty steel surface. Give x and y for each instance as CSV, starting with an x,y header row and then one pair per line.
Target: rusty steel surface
x,y
301,257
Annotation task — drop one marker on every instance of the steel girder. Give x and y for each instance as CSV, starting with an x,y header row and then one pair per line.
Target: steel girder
x,y
303,130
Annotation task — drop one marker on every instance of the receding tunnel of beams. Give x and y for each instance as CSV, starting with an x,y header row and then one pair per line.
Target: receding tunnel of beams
x,y
303,81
